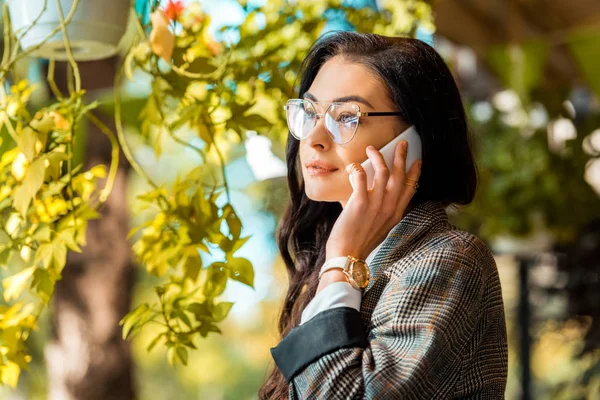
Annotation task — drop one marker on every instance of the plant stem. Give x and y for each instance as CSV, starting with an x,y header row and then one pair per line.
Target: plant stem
x,y
207,122
114,164
74,73
51,81
70,57
123,141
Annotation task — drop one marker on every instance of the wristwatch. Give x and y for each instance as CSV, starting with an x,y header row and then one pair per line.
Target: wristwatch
x,y
354,268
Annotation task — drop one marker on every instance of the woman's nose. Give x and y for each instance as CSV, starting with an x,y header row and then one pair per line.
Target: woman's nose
x,y
319,135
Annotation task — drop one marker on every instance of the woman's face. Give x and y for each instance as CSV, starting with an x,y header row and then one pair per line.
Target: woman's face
x,y
339,78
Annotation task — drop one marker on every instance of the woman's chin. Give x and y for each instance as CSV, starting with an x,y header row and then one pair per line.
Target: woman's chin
x,y
319,192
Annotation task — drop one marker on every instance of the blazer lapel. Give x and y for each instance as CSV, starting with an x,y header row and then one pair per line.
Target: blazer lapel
x,y
420,220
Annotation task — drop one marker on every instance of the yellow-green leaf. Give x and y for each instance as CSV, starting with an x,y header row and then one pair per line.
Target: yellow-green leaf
x,y
216,280
192,265
154,342
221,311
241,270
35,176
68,237
9,373
43,284
182,354
26,142
133,319
21,200
15,284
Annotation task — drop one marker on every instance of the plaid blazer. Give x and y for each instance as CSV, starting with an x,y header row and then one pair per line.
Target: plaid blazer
x,y
431,323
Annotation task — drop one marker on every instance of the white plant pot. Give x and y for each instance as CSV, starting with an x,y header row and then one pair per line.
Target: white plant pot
x,y
94,31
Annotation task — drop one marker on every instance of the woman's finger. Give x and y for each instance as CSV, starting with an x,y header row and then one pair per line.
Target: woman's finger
x,y
358,180
382,173
410,181
394,186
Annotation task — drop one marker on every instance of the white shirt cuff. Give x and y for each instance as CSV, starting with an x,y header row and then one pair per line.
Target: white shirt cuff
x,y
336,294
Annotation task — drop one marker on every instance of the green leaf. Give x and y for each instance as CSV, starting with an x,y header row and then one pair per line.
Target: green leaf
x,y
202,311
181,315
52,255
26,142
221,311
182,353
239,243
43,285
172,356
160,290
201,65
21,200
185,116
208,327
233,222
42,233
68,238
5,256
186,341
192,265
30,186
4,238
15,284
154,342
216,280
9,374
133,319
241,270
35,176
254,122
55,160
175,353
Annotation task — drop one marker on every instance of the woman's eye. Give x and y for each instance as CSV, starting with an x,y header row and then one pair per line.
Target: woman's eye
x,y
309,113
346,118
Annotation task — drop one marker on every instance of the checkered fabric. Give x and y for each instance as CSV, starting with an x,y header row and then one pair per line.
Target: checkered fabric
x,y
431,324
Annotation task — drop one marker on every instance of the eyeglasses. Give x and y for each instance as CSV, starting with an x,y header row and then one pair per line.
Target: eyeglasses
x,y
341,119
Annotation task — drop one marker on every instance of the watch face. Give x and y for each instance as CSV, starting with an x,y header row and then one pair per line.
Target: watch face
x,y
360,274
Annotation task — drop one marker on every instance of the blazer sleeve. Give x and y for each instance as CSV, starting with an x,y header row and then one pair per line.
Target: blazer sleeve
x,y
422,321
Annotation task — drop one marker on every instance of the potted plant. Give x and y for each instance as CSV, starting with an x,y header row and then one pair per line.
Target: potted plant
x,y
95,28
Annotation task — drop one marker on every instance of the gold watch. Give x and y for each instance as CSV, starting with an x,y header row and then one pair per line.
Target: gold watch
x,y
354,268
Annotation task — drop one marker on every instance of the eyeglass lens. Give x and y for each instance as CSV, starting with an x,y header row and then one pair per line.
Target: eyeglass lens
x,y
341,120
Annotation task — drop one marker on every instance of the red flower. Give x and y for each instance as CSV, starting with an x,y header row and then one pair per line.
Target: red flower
x,y
173,9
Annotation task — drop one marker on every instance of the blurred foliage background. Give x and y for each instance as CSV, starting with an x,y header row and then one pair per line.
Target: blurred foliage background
x,y
529,72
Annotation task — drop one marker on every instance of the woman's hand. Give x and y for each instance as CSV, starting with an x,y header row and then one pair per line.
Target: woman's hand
x,y
370,214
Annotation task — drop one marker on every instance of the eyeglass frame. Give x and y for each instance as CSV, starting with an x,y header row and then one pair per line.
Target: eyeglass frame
x,y
359,115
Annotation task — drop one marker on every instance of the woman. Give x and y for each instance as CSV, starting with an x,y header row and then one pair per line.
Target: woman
x,y
430,324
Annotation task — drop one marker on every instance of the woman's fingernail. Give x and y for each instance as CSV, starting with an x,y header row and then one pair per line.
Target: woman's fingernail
x,y
370,147
404,144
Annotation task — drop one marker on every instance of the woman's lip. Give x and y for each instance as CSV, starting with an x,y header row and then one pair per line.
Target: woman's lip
x,y
319,171
320,164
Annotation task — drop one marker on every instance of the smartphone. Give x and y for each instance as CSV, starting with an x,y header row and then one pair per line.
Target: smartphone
x,y
387,151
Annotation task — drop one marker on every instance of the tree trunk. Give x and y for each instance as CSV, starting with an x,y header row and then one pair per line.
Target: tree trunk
x,y
87,359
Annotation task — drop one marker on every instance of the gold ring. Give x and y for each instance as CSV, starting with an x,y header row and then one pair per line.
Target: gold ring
x,y
354,167
416,185
412,180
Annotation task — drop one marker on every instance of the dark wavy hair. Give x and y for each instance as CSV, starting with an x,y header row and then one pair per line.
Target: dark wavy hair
x,y
422,88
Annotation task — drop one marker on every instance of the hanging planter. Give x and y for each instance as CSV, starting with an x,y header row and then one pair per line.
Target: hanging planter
x,y
94,31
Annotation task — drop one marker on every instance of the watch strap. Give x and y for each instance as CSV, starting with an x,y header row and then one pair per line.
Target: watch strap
x,y
335,262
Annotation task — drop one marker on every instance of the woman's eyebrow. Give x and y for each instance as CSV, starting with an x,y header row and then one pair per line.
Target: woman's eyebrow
x,y
341,99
